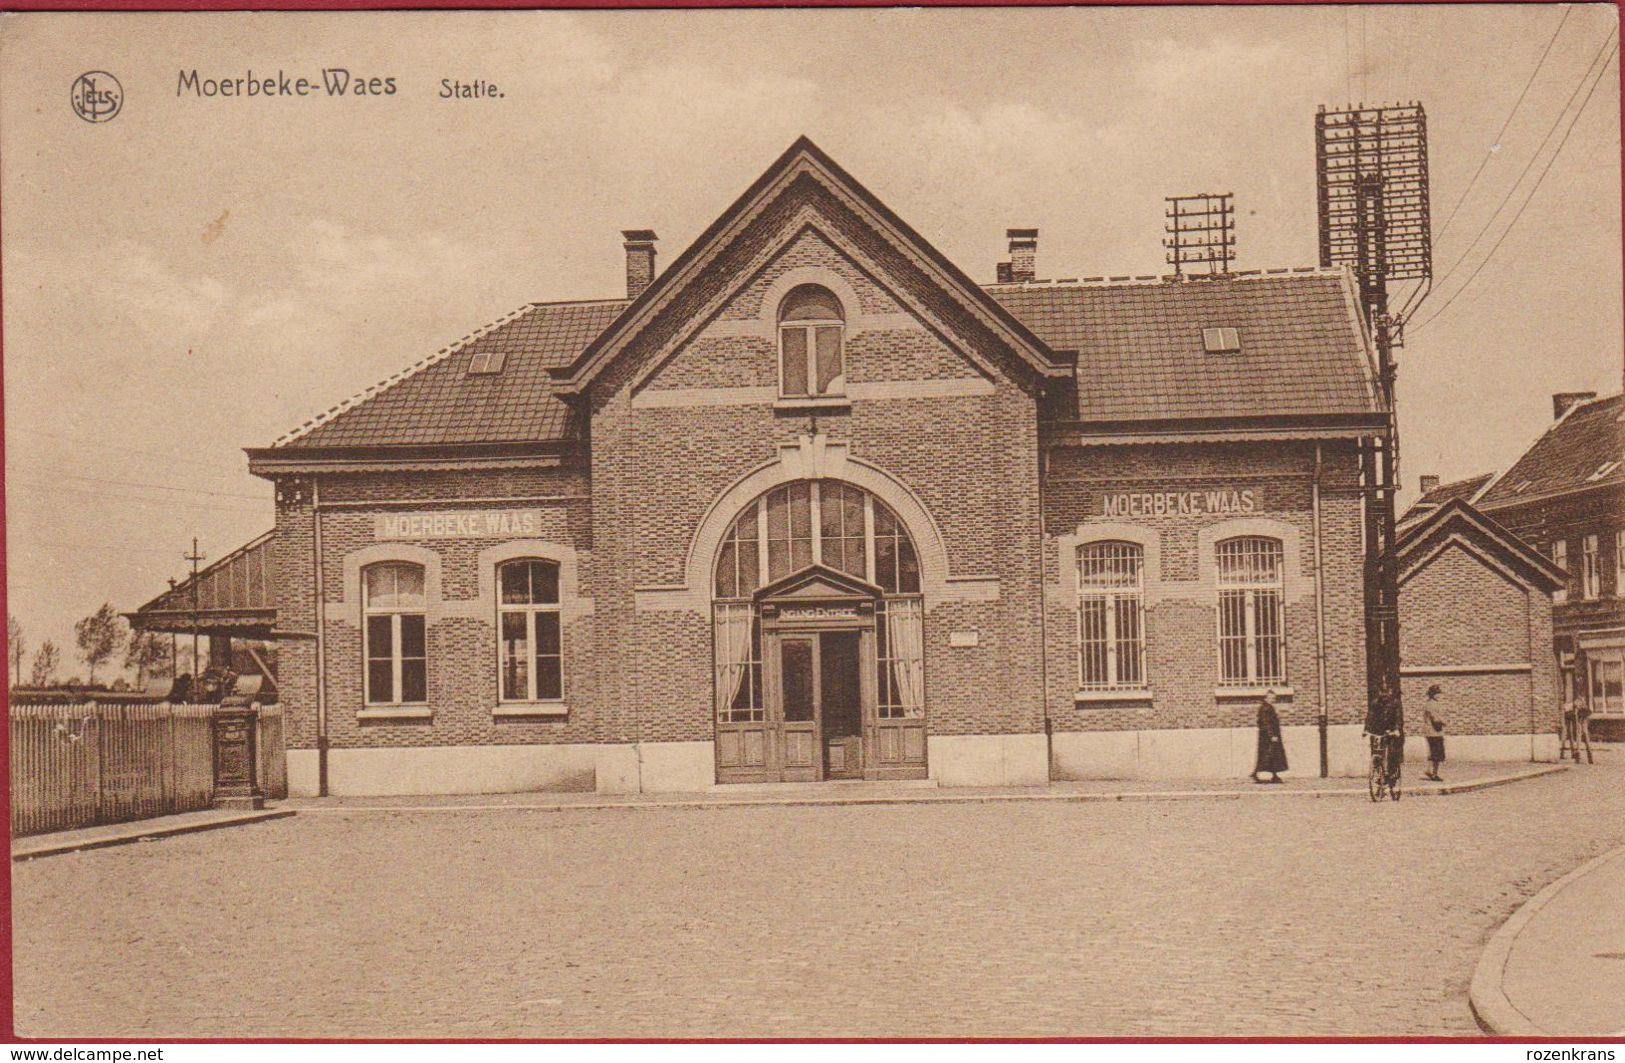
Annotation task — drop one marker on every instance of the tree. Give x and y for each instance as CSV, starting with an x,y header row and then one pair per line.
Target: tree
x,y
99,636
148,655
16,646
46,660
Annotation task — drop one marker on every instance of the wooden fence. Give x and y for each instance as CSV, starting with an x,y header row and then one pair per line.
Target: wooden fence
x,y
79,765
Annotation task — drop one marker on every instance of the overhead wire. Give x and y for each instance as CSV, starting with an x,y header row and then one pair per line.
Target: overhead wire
x,y
1495,143
1535,188
1533,158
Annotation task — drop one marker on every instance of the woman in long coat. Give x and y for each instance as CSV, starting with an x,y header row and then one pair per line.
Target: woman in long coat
x,y
1271,751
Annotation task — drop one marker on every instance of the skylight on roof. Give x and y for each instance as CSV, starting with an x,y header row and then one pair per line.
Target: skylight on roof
x,y
483,363
1603,470
1220,340
1523,486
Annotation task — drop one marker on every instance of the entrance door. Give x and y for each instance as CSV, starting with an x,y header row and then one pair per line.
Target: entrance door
x,y
798,696
841,704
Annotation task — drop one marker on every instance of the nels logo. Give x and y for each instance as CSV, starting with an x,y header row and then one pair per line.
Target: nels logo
x,y
97,96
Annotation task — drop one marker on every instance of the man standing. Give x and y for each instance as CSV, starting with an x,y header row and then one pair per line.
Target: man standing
x,y
1271,752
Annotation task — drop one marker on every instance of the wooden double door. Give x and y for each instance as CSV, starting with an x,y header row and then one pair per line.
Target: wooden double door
x,y
820,719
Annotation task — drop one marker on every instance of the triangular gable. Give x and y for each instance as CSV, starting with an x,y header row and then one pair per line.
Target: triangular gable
x,y
1457,521
818,581
805,161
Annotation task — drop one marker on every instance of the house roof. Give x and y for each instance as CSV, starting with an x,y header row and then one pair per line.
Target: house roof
x,y
1465,490
1141,352
1573,454
1139,345
438,401
1458,520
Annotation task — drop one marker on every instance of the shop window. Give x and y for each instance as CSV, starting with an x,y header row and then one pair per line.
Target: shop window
x,y
1608,683
812,358
393,605
532,649
1111,616
1560,558
1590,573
1252,641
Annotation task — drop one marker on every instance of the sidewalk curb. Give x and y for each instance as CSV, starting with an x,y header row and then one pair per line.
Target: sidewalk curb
x,y
139,832
1487,997
925,797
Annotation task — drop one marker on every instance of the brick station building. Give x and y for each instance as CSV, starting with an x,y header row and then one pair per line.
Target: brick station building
x,y
809,503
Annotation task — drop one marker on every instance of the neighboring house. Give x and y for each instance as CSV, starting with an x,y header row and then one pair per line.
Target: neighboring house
x,y
810,503
1435,494
1566,497
1475,619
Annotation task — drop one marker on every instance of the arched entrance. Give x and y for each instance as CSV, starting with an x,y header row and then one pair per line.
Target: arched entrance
x,y
818,640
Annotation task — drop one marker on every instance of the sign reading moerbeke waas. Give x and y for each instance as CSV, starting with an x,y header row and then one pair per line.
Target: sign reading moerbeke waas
x,y
459,524
1178,503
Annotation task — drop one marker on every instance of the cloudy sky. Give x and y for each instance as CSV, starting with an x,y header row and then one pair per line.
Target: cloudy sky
x,y
200,275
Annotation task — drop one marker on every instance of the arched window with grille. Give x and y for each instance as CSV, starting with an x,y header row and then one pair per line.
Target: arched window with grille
x,y
532,649
812,357
393,608
1252,638
1111,616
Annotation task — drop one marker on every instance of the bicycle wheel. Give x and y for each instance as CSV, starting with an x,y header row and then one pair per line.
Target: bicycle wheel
x,y
1393,784
1374,778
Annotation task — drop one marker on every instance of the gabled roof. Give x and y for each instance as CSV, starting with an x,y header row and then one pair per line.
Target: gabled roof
x,y
1572,455
1141,354
1138,348
1466,490
1457,520
805,160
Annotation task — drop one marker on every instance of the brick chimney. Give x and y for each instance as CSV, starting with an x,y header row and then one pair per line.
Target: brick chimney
x,y
1023,264
1564,401
640,260
1429,483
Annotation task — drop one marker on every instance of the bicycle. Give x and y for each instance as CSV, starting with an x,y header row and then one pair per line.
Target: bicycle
x,y
1384,776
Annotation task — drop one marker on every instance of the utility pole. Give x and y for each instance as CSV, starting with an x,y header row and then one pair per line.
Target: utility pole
x,y
1373,195
194,557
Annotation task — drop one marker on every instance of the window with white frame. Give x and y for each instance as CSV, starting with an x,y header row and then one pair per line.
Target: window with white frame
x,y
1560,558
532,649
812,359
1252,639
1607,668
1619,564
1111,616
393,605
1590,574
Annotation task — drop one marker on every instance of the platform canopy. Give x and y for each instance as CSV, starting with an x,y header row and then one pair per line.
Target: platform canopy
x,y
233,598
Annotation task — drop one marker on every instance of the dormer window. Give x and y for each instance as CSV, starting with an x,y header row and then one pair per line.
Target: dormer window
x,y
1222,340
812,357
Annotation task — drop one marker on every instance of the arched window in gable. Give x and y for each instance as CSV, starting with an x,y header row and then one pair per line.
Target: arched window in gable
x,y
812,342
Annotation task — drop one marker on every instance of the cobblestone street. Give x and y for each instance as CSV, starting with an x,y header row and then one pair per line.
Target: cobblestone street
x,y
1206,917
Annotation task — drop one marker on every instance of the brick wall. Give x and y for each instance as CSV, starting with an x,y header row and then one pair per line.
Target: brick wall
x,y
461,624
1457,611
1181,620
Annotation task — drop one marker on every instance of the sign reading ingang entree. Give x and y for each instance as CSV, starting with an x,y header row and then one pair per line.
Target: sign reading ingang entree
x,y
460,524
